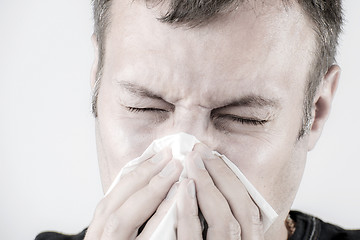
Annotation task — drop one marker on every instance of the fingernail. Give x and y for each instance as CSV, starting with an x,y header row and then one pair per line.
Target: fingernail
x,y
172,191
191,189
198,162
170,167
204,151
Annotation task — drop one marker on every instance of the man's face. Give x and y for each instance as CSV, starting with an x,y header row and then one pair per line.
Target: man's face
x,y
237,84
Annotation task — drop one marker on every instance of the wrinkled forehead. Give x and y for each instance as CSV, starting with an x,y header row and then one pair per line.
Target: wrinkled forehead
x,y
269,19
255,29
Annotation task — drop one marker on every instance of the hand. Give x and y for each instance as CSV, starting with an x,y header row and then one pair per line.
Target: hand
x,y
187,212
222,198
134,199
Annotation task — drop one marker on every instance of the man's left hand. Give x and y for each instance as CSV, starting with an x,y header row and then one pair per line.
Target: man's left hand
x,y
223,200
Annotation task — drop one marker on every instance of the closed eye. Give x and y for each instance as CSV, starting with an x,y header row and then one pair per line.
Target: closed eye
x,y
242,120
248,120
137,110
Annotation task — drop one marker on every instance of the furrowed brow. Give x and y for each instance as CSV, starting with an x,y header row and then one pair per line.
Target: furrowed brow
x,y
139,90
255,101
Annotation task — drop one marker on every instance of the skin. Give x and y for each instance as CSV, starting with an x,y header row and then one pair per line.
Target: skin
x,y
216,82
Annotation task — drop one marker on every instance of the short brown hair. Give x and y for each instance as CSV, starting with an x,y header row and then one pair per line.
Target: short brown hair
x,y
326,17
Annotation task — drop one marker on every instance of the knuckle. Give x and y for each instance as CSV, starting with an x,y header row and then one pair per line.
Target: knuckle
x,y
101,209
140,174
154,187
114,223
205,182
234,229
110,227
255,215
115,219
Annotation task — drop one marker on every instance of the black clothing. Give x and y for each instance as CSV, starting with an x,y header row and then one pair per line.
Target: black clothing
x,y
312,228
59,236
307,228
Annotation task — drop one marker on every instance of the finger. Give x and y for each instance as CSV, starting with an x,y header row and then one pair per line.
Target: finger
x,y
188,219
138,178
142,204
127,186
241,204
213,205
155,220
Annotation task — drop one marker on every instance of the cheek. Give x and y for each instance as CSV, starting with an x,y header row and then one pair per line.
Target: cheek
x,y
273,167
119,139
259,160
122,141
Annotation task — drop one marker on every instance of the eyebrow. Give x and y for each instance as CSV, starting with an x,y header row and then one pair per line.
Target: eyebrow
x,y
139,90
252,100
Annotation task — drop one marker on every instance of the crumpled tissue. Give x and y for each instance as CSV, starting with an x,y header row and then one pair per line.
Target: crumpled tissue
x,y
181,144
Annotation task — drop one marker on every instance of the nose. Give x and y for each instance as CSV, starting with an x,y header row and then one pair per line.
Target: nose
x,y
195,121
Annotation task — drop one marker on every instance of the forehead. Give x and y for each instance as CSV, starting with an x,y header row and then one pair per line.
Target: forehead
x,y
256,43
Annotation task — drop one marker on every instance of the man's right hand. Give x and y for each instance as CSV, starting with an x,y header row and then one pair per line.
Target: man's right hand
x,y
134,199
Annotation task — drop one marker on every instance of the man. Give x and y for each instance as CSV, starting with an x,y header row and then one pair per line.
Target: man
x,y
253,80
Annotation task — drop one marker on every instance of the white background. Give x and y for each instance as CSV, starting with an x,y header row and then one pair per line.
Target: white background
x,y
48,168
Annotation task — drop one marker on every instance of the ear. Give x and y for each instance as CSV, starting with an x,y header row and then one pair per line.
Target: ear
x,y
322,103
94,67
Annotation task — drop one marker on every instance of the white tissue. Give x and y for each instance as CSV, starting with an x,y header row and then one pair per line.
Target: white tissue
x,y
181,144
